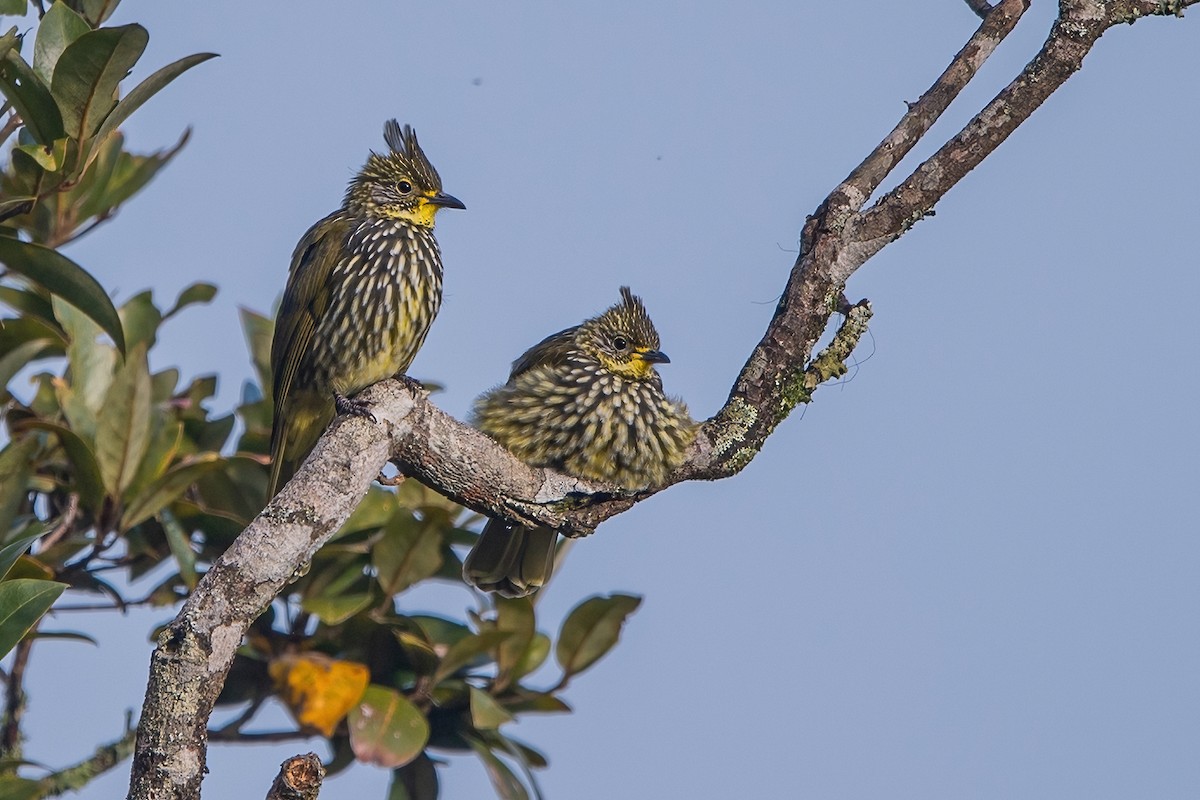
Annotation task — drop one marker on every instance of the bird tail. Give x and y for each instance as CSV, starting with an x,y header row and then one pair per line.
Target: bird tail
x,y
297,427
510,559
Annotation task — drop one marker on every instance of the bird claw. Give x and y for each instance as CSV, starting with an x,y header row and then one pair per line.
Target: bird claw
x,y
356,408
413,385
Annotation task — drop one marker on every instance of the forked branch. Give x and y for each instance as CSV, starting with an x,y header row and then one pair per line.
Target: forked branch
x,y
195,651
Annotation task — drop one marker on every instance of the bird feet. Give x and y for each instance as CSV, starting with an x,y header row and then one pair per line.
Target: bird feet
x,y
356,408
413,385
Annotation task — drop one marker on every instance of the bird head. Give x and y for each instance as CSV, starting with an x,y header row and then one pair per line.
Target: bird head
x,y
623,339
400,184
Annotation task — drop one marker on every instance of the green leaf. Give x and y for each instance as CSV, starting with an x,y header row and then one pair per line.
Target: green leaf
x,y
14,550
162,385
409,551
140,319
168,488
123,424
30,303
67,636
468,651
59,27
90,367
31,99
143,92
28,566
534,656
440,631
181,549
86,472
259,330
16,467
504,780
9,205
591,630
16,8
417,650
50,157
336,609
22,604
192,295
91,191
539,704
11,38
166,439
515,616
15,360
486,713
88,73
58,274
94,11
130,174
238,491
416,780
386,728
14,788
372,512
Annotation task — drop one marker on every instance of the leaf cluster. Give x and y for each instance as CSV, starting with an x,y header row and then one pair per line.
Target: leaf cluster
x,y
68,170
119,484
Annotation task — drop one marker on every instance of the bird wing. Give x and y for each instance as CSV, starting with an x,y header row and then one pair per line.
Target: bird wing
x,y
550,352
304,302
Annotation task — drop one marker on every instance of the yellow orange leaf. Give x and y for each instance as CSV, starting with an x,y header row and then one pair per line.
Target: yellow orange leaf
x,y
318,689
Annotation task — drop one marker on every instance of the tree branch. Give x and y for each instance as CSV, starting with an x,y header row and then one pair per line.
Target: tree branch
x,y
14,702
1079,25
299,778
195,652
75,777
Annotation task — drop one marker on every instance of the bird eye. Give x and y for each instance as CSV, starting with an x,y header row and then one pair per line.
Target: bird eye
x,y
404,186
619,343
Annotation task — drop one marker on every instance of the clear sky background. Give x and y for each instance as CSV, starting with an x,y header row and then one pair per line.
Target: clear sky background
x,y
970,571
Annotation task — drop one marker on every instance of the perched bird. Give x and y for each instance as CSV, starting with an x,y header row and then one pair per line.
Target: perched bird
x,y
364,286
589,402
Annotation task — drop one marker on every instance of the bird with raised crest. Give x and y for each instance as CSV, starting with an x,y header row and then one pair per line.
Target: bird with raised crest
x,y
589,402
364,286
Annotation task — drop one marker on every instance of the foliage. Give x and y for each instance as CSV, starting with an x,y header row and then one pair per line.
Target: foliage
x,y
111,468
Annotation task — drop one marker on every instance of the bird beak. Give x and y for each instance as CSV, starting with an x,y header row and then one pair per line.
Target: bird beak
x,y
445,200
654,357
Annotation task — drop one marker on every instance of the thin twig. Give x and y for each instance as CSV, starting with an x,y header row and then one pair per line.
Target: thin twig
x,y
105,757
921,115
258,736
232,727
65,523
11,124
86,229
1071,38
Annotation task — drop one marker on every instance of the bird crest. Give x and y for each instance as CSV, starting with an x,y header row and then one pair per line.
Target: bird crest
x,y
406,155
624,339
401,183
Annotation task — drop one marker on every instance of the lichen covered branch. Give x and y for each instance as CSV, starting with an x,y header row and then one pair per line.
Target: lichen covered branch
x,y
195,652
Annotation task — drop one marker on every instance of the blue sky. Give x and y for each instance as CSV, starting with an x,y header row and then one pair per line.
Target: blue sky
x,y
970,571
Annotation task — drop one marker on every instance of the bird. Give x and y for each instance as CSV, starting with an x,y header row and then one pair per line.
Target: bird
x,y
587,401
364,286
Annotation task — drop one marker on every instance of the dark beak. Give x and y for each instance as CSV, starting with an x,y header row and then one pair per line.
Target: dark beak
x,y
446,201
655,357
